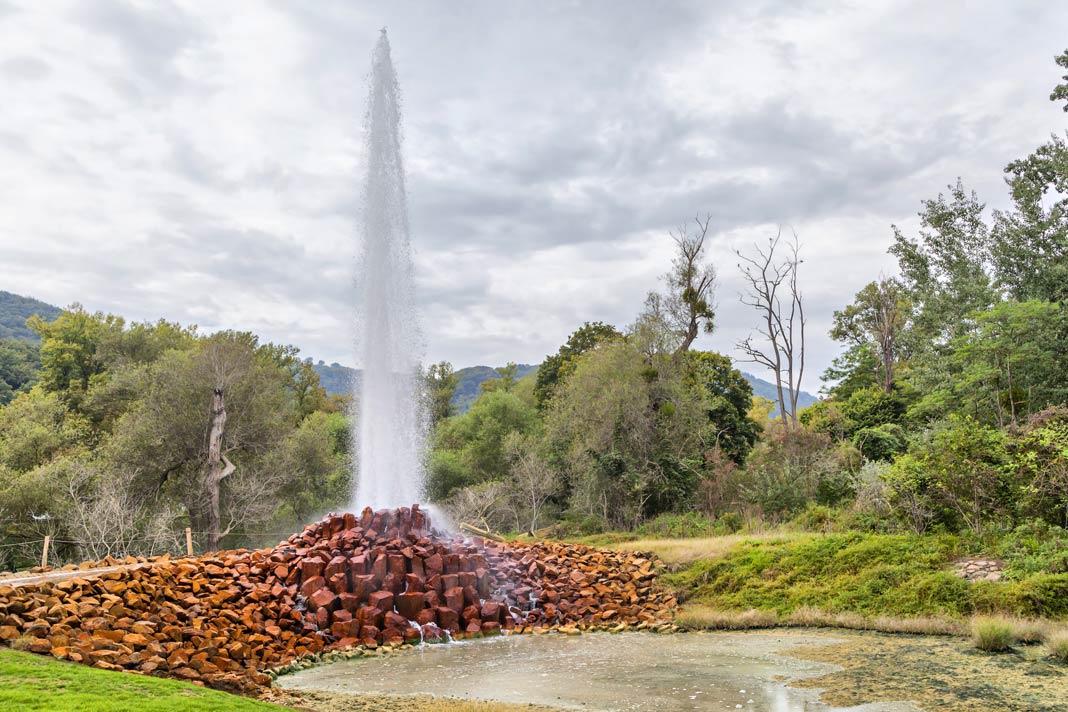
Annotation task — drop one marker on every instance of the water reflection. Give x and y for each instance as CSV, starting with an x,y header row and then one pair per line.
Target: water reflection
x,y
631,671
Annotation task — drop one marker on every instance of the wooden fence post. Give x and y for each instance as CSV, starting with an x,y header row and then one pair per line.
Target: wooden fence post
x,y
189,541
44,553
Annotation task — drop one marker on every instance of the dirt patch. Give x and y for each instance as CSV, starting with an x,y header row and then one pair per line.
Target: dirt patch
x,y
336,702
944,674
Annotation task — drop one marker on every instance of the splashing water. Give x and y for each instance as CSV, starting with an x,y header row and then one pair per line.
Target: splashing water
x,y
391,422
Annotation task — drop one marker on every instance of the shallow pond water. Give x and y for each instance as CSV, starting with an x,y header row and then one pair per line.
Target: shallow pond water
x,y
627,671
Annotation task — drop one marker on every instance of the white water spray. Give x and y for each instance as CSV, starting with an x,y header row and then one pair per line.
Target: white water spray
x,y
391,422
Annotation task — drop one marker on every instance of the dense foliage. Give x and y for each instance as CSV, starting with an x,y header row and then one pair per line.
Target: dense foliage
x,y
108,451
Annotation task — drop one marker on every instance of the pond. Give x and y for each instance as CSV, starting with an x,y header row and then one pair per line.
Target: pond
x,y
627,671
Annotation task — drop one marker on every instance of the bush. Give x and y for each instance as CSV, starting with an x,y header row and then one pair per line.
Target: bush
x,y
728,523
677,526
1057,643
1034,547
816,517
880,442
994,635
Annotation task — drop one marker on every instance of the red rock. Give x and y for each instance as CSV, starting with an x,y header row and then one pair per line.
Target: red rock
x,y
491,628
395,620
310,568
382,600
312,585
448,618
409,605
433,634
338,583
349,602
434,565
323,598
454,598
379,568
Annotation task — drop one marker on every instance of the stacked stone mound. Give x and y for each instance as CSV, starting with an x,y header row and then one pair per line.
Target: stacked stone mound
x,y
380,578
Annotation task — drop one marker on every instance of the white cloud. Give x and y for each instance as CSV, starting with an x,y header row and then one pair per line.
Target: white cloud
x,y
201,161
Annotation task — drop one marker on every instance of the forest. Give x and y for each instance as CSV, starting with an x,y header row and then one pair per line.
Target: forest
x,y
946,412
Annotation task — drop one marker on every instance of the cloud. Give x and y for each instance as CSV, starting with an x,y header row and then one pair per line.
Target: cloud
x,y
202,161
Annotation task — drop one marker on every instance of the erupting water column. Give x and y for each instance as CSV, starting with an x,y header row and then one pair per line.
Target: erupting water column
x,y
391,420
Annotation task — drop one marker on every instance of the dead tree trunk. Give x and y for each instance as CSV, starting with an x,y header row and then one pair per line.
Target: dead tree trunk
x,y
782,327
218,468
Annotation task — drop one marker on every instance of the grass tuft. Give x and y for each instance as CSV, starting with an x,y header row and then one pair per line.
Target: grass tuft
x,y
701,618
1057,643
22,643
994,635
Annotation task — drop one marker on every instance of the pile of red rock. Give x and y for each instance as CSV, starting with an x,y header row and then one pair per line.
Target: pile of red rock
x,y
381,578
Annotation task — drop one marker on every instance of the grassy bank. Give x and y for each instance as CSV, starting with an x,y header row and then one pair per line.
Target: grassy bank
x,y
37,682
867,574
40,683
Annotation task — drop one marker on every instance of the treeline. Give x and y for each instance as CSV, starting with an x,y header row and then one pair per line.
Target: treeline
x,y
945,411
128,433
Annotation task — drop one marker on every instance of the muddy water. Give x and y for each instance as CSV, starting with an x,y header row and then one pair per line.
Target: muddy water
x,y
629,671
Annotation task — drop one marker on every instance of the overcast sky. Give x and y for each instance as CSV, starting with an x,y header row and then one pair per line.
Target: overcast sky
x,y
201,161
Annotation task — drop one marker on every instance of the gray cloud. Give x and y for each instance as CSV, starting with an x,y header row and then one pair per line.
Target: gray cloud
x,y
201,161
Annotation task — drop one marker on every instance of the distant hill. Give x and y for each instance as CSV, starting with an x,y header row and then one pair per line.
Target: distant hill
x,y
338,379
15,310
470,385
766,389
335,378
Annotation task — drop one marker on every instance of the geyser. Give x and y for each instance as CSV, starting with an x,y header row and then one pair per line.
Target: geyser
x,y
391,418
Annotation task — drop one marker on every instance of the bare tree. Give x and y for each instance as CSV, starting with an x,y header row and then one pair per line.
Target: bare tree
x,y
687,306
479,504
532,482
773,291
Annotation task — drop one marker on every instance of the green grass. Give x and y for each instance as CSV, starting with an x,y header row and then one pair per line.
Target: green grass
x,y
993,635
36,682
868,574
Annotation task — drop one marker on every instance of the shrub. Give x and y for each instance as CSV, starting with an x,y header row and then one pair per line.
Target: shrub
x,y
677,526
880,442
1057,643
728,523
1034,547
816,517
23,643
994,635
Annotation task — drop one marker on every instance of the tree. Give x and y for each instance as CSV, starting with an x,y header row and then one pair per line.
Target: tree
x,y
1030,242
470,448
20,362
727,398
441,382
1012,363
629,436
772,290
1060,92
556,367
531,481
686,307
958,474
944,271
875,320
202,431
505,381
